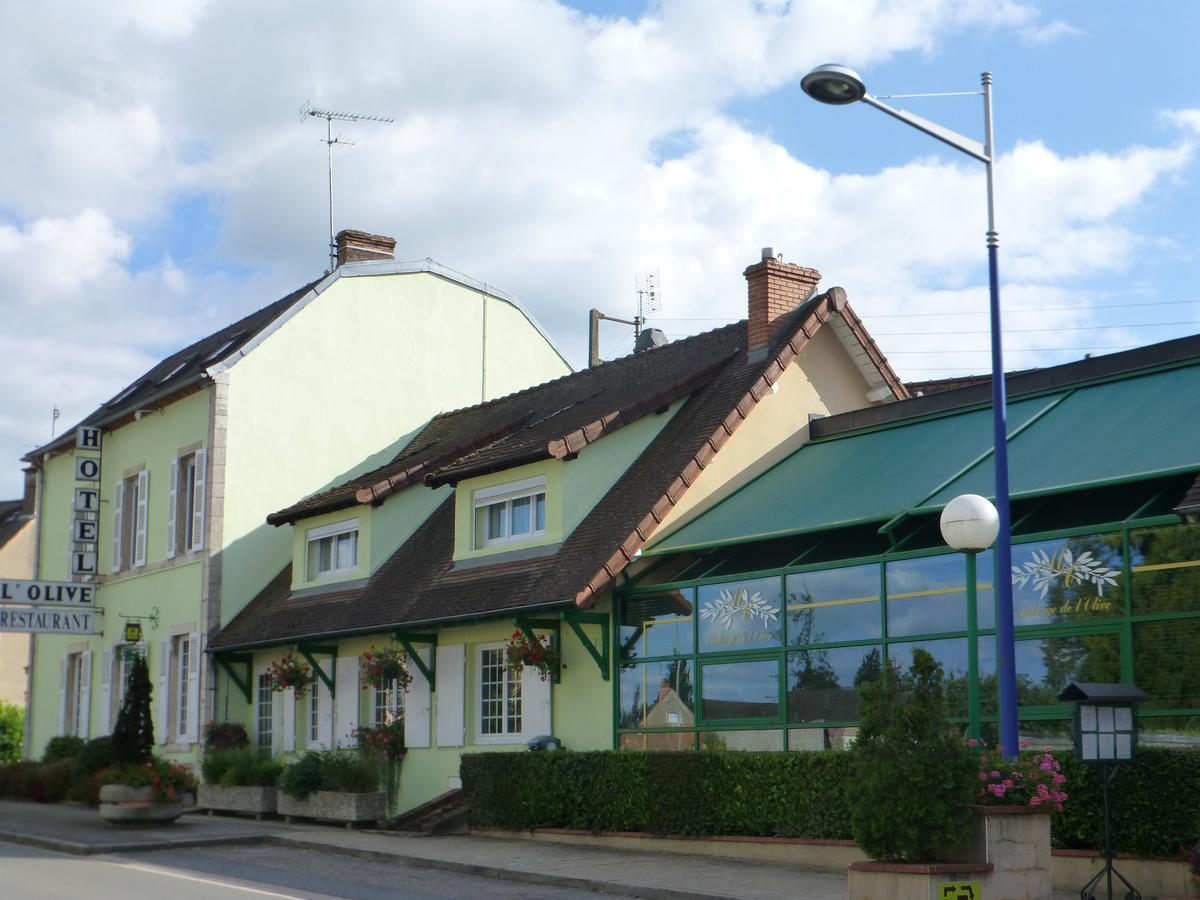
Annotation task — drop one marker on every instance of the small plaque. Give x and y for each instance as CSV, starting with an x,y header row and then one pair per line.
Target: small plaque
x,y
87,468
1088,746
133,632
1123,716
1125,746
1104,718
87,500
1087,718
1107,748
87,438
960,890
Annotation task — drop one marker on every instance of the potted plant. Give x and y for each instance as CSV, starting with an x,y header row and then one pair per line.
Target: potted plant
x,y
337,785
384,741
138,787
538,652
383,666
239,780
225,736
289,672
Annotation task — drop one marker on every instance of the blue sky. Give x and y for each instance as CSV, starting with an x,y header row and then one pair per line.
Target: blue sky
x,y
163,183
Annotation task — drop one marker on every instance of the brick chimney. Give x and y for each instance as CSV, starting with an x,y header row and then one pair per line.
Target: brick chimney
x,y
776,288
357,246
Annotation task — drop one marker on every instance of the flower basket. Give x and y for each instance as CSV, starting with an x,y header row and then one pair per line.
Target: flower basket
x,y
385,741
538,653
1032,780
383,666
289,672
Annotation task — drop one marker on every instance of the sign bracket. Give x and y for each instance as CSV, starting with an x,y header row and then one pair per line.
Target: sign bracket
x,y
308,651
230,662
406,639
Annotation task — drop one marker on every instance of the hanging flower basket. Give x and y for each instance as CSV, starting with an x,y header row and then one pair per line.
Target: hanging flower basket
x,y
539,653
289,672
381,666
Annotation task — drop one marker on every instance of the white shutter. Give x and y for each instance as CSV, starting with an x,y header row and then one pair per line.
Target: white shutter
x,y
106,667
288,699
451,662
276,722
172,507
118,513
139,531
198,506
535,704
324,739
416,706
346,699
162,690
192,734
62,694
85,692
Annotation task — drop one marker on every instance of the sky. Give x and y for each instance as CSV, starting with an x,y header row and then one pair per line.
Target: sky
x,y
159,180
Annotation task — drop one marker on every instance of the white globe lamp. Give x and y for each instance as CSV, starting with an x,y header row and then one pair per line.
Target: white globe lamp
x,y
970,523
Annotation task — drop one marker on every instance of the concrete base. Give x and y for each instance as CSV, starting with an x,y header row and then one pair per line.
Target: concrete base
x,y
335,806
255,801
914,881
121,804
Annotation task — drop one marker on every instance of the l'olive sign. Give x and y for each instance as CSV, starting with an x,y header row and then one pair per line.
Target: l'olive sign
x,y
48,593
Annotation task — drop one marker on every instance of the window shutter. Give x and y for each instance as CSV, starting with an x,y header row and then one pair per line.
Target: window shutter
x,y
535,704
198,509
172,507
288,699
106,667
276,722
192,734
163,689
324,717
85,692
139,534
346,699
417,706
118,512
451,662
62,694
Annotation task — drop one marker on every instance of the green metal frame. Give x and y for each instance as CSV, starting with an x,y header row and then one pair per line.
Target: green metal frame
x,y
309,652
576,620
528,626
406,639
244,682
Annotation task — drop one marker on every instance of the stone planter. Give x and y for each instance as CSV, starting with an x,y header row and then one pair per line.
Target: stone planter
x,y
914,881
335,806
121,804
255,801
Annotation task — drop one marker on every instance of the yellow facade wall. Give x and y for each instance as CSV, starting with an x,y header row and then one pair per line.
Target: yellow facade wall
x,y
16,561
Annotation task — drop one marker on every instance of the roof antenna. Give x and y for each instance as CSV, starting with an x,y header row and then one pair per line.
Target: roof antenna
x,y
649,299
329,115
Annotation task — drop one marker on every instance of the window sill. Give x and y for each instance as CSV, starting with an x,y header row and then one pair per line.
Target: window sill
x,y
488,740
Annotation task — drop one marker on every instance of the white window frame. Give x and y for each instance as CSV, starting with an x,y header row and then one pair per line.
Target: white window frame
x,y
503,495
330,532
181,658
387,704
262,687
505,736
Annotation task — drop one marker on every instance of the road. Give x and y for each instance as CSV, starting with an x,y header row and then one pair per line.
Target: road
x,y
243,873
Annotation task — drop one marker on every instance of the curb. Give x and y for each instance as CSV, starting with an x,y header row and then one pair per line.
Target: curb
x,y
75,848
618,888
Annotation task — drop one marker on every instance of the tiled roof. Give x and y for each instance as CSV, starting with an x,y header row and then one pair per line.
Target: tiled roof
x,y
420,584
12,519
181,369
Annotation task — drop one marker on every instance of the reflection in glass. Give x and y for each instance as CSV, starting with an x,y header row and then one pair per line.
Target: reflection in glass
x,y
985,598
821,738
1036,734
925,596
743,690
823,685
833,605
1067,580
657,695
662,740
952,654
1169,731
660,625
762,739
1166,663
1045,666
740,615
1165,564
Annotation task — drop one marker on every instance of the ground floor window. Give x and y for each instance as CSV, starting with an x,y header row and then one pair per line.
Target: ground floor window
x,y
499,694
389,704
265,713
73,699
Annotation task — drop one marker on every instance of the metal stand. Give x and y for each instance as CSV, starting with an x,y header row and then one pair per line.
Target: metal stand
x,y
1109,870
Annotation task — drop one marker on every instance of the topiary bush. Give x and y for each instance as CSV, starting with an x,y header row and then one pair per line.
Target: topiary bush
x,y
59,748
913,777
12,732
133,735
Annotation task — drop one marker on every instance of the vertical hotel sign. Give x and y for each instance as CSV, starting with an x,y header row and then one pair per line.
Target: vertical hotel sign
x,y
85,519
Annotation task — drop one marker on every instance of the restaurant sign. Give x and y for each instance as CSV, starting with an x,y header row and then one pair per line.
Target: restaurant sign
x,y
48,621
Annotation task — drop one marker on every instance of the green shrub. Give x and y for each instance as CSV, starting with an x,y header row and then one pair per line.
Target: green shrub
x,y
42,782
240,768
12,732
94,757
225,736
215,764
913,777
303,777
349,771
61,748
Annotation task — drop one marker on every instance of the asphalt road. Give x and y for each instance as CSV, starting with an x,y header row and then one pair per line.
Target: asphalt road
x,y
242,872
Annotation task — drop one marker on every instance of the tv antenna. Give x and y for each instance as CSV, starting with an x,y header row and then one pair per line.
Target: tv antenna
x,y
649,299
329,115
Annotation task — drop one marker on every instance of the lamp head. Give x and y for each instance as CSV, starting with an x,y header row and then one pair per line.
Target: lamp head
x,y
970,523
834,84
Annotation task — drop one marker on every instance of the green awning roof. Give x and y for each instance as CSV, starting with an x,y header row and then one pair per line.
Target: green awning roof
x,y
1135,427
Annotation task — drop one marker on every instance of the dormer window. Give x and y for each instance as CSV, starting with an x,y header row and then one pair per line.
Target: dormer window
x,y
510,512
332,550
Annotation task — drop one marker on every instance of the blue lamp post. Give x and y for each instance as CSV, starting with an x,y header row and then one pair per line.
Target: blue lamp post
x,y
838,85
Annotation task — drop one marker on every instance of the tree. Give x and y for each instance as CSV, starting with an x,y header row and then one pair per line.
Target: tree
x,y
133,735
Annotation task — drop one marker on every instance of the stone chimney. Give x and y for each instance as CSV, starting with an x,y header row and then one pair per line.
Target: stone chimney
x,y
776,288
357,246
29,500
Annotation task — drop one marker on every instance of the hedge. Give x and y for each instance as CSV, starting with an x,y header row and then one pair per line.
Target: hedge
x,y
43,782
1156,801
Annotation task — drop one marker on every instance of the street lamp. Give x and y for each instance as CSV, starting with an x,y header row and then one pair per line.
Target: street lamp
x,y
838,86
969,524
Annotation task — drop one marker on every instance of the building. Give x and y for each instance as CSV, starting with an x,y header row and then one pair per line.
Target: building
x,y
18,533
522,514
339,373
834,562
